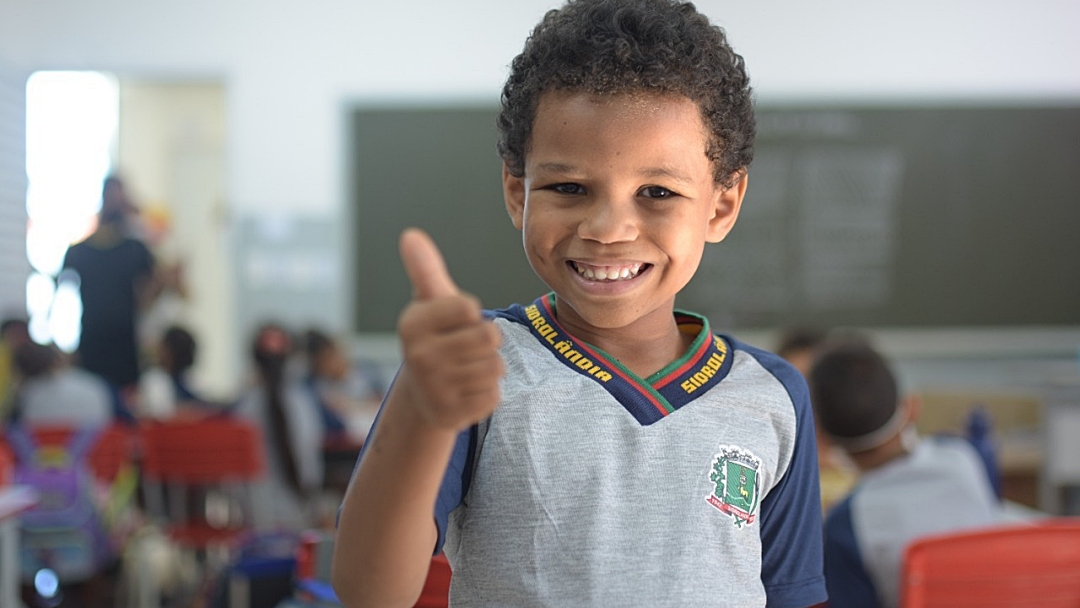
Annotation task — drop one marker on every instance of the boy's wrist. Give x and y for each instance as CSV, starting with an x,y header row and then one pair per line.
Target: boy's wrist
x,y
413,413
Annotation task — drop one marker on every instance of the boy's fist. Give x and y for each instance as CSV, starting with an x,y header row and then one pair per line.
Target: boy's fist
x,y
451,356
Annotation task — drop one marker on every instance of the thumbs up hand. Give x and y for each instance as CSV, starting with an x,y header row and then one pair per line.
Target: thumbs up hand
x,y
451,356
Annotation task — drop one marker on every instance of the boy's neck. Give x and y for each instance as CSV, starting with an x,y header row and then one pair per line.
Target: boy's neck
x,y
107,235
880,456
640,352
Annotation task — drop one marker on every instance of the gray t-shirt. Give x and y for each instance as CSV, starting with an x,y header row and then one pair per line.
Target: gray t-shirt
x,y
67,396
940,487
590,486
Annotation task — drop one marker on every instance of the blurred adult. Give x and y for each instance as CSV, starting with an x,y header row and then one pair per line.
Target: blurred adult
x,y
114,271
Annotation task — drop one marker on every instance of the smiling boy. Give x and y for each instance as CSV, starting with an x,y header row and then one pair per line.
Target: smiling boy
x,y
597,447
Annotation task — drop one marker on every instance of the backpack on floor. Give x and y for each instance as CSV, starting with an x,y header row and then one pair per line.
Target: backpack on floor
x,y
64,531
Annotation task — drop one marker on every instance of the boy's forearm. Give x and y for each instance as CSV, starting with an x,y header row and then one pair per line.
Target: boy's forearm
x,y
449,380
386,533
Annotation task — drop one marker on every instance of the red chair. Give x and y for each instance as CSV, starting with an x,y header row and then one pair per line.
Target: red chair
x,y
181,455
7,464
436,593
1033,565
114,450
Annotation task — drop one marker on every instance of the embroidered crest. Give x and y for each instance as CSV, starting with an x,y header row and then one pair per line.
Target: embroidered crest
x,y
735,475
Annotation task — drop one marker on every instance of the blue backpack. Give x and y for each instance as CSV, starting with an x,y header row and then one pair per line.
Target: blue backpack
x,y
64,531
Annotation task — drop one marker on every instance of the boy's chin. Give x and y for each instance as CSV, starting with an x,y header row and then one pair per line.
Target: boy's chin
x,y
610,315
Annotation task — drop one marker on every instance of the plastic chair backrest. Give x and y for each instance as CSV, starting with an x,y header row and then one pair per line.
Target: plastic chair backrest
x,y
114,448
7,464
1018,565
204,451
436,593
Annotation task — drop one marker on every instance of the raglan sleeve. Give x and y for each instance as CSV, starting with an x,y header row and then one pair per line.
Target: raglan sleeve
x,y
455,483
791,517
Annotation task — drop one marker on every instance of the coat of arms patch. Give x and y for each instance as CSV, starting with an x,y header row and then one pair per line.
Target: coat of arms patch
x,y
735,475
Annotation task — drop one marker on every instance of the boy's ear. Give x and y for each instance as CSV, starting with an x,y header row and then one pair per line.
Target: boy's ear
x,y
726,207
514,197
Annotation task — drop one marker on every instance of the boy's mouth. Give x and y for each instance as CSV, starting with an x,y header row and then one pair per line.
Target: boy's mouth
x,y
623,272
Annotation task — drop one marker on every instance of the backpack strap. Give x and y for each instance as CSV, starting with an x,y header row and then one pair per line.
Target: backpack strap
x,y
21,442
82,441
26,447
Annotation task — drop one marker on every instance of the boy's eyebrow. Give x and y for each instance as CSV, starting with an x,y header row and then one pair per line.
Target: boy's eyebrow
x,y
556,168
668,172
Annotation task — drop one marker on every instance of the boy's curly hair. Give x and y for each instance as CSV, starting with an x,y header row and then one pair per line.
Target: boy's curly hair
x,y
628,46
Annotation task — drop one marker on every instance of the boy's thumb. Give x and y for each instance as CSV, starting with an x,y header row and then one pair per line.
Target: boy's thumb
x,y
425,266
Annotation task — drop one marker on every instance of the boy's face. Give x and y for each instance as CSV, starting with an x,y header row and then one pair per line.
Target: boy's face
x,y
616,205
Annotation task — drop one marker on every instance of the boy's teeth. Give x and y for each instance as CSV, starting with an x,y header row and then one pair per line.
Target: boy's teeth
x,y
608,273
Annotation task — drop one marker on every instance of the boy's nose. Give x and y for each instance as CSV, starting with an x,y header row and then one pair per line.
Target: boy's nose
x,y
609,222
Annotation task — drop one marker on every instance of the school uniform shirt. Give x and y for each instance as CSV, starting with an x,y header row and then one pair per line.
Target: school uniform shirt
x,y
941,486
66,396
161,393
590,486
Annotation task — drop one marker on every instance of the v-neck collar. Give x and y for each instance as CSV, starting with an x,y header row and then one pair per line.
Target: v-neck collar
x,y
648,400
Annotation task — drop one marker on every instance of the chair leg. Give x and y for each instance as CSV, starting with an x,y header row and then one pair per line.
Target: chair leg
x,y
141,584
239,591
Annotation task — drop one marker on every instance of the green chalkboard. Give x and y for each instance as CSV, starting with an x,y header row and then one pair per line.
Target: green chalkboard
x,y
923,216
436,168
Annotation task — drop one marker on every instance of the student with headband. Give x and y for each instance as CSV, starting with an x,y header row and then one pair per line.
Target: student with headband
x,y
908,486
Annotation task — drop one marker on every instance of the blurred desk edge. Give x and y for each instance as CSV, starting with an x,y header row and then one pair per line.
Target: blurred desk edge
x,y
13,501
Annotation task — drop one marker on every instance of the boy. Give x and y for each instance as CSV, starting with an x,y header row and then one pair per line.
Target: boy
x,y
596,447
908,487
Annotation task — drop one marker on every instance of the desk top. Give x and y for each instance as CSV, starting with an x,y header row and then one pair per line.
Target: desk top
x,y
16,499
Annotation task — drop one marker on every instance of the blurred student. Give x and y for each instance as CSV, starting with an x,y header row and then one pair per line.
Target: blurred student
x,y
799,346
14,332
292,428
909,486
53,392
348,399
115,273
165,389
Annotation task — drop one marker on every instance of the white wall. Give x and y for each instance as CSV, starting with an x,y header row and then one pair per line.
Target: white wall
x,y
14,267
292,68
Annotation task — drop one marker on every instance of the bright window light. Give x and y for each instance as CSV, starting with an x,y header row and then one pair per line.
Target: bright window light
x,y
71,133
65,320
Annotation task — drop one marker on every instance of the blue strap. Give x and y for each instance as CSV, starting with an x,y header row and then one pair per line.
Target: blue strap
x,y
82,441
22,442
25,447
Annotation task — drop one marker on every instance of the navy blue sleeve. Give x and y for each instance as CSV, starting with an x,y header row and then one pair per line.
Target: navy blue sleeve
x,y
791,536
455,481
848,582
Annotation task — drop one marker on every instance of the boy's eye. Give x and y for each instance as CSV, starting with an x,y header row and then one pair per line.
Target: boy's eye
x,y
567,188
657,192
